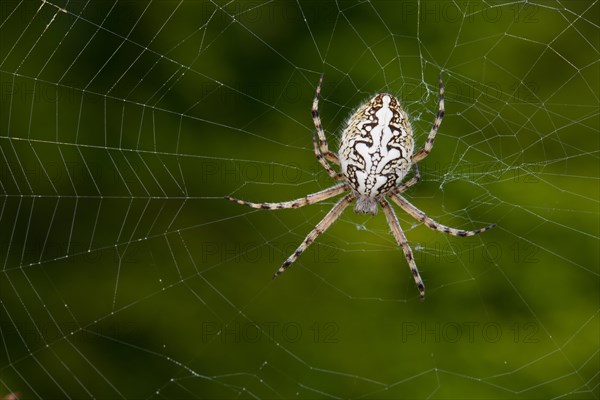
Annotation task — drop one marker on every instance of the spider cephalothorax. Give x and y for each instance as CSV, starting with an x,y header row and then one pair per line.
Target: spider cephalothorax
x,y
376,153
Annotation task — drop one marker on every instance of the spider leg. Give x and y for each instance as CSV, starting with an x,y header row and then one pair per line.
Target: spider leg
x,y
321,227
317,121
421,217
402,242
412,181
301,202
335,175
421,154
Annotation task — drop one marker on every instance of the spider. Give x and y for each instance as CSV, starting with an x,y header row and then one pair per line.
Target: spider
x,y
375,155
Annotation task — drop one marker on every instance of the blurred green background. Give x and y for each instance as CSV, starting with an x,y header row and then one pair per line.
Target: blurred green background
x,y
125,274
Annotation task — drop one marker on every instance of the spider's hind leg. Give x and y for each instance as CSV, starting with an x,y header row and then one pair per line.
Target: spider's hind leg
x,y
321,158
323,146
424,152
412,181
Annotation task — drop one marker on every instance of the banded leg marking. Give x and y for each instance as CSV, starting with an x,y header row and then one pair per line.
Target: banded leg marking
x,y
424,152
321,227
403,242
422,217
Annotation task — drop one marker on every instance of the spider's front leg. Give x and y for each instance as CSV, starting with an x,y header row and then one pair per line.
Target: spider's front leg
x,y
394,224
321,227
430,223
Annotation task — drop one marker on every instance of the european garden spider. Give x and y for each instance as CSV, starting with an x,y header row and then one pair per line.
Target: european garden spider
x,y
376,153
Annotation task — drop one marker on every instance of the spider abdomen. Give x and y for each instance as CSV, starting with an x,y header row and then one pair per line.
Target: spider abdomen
x,y
376,150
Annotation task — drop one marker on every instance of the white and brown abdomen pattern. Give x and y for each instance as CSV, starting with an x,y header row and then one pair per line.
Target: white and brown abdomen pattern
x,y
376,150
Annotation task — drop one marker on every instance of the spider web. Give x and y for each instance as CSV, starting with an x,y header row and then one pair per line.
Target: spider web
x,y
125,274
